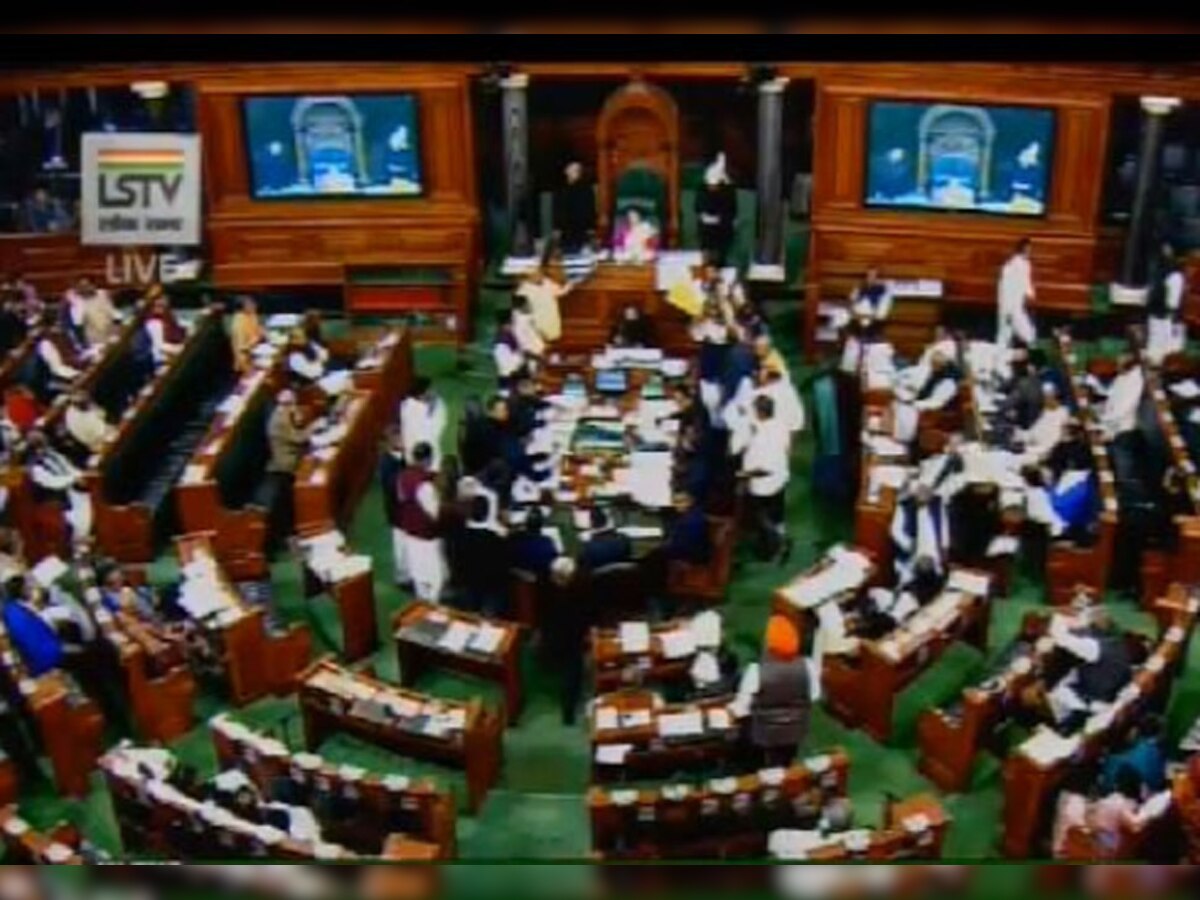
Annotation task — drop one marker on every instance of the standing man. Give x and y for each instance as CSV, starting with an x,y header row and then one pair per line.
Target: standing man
x,y
779,693
423,420
872,299
1165,328
543,294
575,211
766,471
391,464
418,510
716,211
288,438
1013,292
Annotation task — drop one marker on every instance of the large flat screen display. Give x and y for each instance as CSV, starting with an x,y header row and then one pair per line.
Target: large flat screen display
x,y
941,156
343,145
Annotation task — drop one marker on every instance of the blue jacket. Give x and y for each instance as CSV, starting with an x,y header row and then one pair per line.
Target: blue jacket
x,y
1146,758
533,553
38,643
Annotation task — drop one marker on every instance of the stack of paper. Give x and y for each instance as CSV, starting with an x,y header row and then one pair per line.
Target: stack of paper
x,y
678,643
681,724
606,718
1047,747
612,754
456,637
487,638
635,637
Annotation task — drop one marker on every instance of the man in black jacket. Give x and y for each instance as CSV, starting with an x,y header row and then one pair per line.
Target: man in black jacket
x,y
575,210
486,554
716,211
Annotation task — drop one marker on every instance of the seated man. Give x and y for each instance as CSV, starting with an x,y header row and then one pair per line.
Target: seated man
x,y
887,609
605,545
532,550
872,298
53,371
1103,666
920,530
1063,494
86,424
57,480
938,390
133,608
635,239
308,361
1040,438
33,630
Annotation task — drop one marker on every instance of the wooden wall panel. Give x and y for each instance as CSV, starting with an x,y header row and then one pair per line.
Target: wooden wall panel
x,y
964,250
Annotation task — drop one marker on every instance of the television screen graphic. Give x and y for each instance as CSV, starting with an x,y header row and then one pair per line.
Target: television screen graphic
x,y
990,159
362,145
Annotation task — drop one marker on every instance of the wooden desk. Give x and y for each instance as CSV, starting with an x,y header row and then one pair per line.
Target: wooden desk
x,y
949,737
651,755
418,629
614,668
353,594
1160,568
327,704
593,308
1031,784
723,818
201,498
327,490
9,783
1066,564
799,599
427,813
861,689
161,704
897,840
69,725
125,528
22,844
385,368
256,663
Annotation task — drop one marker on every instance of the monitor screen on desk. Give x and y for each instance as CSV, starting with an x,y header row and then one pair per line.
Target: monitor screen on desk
x,y
612,381
357,145
949,157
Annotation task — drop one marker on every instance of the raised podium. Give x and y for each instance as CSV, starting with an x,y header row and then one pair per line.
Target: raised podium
x,y
592,309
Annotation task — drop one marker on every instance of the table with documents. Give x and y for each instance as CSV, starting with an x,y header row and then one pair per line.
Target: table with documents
x,y
841,575
330,567
638,653
463,735
431,636
1035,770
634,734
862,689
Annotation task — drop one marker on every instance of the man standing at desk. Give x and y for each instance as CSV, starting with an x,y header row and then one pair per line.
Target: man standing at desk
x,y
765,468
575,211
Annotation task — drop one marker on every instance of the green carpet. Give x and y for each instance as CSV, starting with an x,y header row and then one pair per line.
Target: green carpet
x,y
537,810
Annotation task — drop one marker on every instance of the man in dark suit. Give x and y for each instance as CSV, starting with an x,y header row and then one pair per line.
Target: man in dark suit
x,y
575,210
606,545
1024,403
532,550
485,551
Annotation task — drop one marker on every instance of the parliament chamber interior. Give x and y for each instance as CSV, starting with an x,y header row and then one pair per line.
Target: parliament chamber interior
x,y
600,461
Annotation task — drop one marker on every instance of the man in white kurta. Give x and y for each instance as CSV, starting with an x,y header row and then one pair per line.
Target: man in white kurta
x,y
1124,397
423,419
1013,293
1047,430
1165,330
543,294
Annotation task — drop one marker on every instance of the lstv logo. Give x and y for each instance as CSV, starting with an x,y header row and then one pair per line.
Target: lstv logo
x,y
129,178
